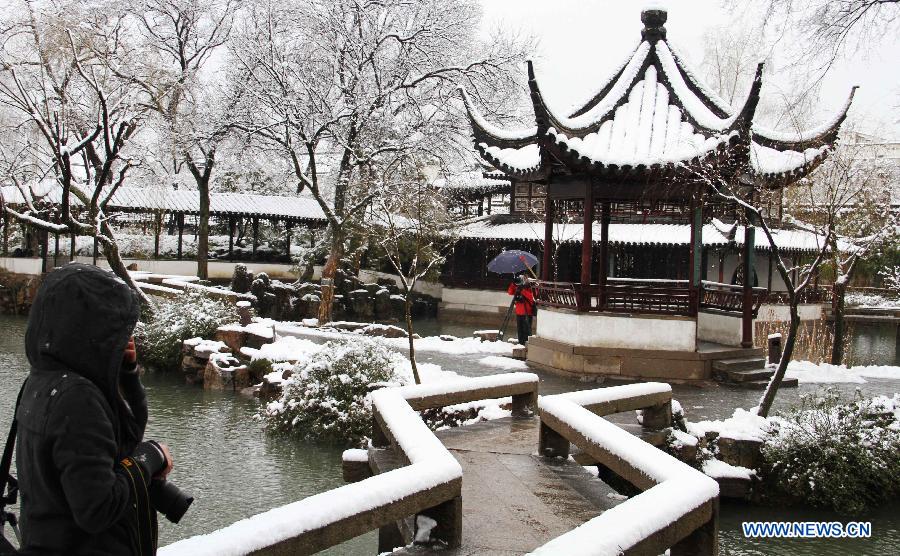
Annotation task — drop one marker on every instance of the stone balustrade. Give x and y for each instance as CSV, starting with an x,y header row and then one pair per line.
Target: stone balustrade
x,y
678,508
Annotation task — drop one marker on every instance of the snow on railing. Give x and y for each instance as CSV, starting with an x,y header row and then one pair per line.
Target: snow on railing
x,y
432,477
679,505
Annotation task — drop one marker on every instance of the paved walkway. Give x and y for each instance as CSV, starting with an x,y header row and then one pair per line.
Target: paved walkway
x,y
513,500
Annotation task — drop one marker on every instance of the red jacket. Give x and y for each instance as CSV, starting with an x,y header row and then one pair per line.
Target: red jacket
x,y
525,303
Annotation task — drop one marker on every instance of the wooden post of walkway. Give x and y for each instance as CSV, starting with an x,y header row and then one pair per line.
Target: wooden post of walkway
x,y
72,246
747,305
255,233
231,238
55,249
587,240
288,224
6,218
547,259
180,219
157,230
696,256
604,253
96,251
43,238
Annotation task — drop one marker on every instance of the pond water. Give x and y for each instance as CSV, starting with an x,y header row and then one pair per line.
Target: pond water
x,y
236,470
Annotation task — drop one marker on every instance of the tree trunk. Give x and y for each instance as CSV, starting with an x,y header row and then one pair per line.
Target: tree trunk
x,y
839,290
409,332
203,231
328,275
765,403
117,265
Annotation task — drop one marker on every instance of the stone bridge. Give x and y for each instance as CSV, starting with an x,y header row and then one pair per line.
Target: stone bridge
x,y
507,486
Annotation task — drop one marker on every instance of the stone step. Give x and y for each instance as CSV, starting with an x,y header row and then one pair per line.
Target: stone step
x,y
761,384
739,364
743,376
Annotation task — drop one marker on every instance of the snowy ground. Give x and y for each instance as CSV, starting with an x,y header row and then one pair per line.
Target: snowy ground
x,y
823,373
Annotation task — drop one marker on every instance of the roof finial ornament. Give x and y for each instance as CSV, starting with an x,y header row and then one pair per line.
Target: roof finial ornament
x,y
653,20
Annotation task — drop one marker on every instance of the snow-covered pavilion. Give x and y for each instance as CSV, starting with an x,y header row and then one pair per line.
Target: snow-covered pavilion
x,y
653,140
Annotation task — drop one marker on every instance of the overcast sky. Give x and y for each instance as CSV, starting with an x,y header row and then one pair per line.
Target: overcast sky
x,y
581,41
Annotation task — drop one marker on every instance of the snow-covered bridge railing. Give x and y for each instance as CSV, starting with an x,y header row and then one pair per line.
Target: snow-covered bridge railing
x,y
679,506
430,483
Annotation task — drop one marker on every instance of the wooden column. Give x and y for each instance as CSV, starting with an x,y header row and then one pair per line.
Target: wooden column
x,y
6,218
481,206
44,238
696,254
56,249
72,246
604,253
96,251
547,259
231,238
255,233
287,236
769,284
157,230
587,239
489,198
180,223
721,265
747,306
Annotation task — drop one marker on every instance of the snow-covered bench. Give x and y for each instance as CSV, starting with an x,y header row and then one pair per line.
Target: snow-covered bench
x,y
678,507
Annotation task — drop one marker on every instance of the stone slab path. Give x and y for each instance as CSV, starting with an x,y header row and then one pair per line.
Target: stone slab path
x,y
513,500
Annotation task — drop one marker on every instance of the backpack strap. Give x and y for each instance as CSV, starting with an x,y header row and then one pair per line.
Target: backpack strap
x,y
6,462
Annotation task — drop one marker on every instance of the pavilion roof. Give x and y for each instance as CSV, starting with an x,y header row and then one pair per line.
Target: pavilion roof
x,y
715,234
652,117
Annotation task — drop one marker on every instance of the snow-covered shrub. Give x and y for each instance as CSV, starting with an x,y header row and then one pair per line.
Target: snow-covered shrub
x,y
327,396
844,456
191,314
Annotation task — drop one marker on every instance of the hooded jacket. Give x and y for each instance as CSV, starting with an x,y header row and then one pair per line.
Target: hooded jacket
x,y
80,489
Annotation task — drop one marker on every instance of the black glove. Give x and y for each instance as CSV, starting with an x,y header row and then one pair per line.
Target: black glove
x,y
150,456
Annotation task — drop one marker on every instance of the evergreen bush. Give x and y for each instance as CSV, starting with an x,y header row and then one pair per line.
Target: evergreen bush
x,y
842,456
326,399
188,315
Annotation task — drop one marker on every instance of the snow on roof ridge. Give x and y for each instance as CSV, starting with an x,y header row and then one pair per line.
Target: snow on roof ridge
x,y
576,106
692,74
766,160
522,159
693,105
493,129
615,93
808,134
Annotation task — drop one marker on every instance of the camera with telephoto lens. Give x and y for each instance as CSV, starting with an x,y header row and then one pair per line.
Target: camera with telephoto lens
x,y
169,500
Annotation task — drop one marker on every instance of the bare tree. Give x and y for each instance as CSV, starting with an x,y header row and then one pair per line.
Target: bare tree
x,y
853,192
69,119
418,233
751,197
829,28
180,41
339,85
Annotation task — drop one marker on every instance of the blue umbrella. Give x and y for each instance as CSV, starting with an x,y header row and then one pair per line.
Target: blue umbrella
x,y
512,262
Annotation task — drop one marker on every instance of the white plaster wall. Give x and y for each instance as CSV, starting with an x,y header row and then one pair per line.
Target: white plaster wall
x,y
627,332
434,289
721,329
21,265
477,301
772,313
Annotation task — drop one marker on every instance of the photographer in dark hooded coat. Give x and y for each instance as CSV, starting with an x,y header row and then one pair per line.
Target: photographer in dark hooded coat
x,y
84,470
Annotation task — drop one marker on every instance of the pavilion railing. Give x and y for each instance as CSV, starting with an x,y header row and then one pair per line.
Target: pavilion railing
x,y
810,294
619,295
729,297
625,295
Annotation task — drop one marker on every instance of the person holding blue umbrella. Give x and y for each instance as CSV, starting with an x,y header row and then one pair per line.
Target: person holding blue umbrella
x,y
517,263
523,296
